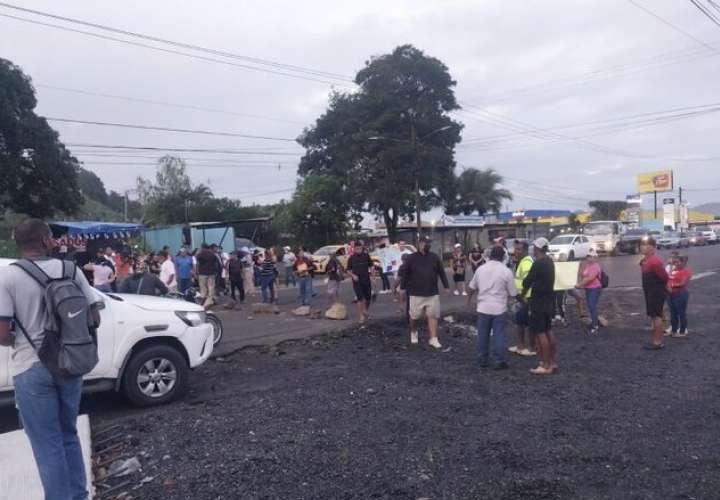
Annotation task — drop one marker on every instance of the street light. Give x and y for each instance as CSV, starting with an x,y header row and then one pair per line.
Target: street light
x,y
414,141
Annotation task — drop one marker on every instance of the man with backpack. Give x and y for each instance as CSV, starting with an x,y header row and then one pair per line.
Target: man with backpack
x,y
47,311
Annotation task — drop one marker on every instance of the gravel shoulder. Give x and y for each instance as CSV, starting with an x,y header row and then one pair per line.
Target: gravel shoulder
x,y
361,414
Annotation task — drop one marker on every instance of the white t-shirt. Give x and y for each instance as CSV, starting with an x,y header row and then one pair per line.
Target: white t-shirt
x,y
289,259
167,269
101,274
494,283
22,297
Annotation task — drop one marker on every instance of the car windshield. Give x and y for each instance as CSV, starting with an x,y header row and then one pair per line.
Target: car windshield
x,y
703,229
670,234
635,232
598,228
562,240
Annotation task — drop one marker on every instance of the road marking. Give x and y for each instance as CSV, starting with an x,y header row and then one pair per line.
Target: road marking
x,y
702,275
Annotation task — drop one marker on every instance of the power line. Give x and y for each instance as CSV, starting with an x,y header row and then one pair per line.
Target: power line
x,y
673,26
236,161
170,51
707,12
167,129
254,151
254,60
164,103
187,164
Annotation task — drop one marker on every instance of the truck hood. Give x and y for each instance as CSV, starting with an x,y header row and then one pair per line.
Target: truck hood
x,y
150,303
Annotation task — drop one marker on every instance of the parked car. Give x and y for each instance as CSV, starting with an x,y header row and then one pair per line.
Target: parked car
x,y
321,257
671,239
697,239
146,345
632,238
569,247
710,235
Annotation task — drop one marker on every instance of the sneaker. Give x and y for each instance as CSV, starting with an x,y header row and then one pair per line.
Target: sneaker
x,y
527,352
514,349
680,335
540,370
456,292
593,331
414,337
434,342
464,294
668,331
558,317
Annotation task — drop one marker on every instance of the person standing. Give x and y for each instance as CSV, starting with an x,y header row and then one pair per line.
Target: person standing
x,y
235,269
267,278
526,340
168,275
679,296
420,275
103,275
142,282
654,281
459,263
494,283
590,281
288,260
48,405
184,268
303,268
476,258
541,279
335,274
358,267
206,271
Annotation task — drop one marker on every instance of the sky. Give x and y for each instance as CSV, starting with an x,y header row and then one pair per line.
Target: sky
x,y
567,99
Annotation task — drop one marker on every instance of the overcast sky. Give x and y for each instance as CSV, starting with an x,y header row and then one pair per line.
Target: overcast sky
x,y
521,67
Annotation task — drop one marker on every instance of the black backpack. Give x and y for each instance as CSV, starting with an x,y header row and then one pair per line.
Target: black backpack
x,y
604,279
68,348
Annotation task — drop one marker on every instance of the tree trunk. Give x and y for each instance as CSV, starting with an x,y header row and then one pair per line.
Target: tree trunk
x,y
391,221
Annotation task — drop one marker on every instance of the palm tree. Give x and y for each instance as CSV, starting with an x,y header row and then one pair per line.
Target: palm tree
x,y
477,191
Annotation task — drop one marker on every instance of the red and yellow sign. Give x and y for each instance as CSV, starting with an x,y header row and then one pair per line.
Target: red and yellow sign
x,y
655,182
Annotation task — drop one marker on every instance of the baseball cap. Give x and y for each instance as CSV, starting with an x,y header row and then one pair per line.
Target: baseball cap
x,y
458,245
541,243
287,249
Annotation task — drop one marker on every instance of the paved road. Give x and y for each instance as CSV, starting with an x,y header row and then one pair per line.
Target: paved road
x,y
242,328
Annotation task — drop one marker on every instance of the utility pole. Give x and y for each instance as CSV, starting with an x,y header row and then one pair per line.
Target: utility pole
x,y
680,195
125,206
413,141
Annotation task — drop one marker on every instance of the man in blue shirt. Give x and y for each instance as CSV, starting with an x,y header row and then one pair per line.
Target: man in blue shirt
x,y
184,268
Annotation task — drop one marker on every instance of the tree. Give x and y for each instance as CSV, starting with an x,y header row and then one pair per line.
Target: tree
x,y
574,222
92,186
607,210
317,213
39,176
168,200
390,138
476,191
117,201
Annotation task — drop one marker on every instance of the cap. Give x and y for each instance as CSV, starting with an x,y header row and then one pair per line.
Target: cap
x,y
458,245
592,252
541,243
287,249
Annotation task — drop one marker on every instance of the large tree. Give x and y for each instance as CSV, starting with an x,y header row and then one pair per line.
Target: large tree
x,y
476,191
170,198
390,139
607,209
38,176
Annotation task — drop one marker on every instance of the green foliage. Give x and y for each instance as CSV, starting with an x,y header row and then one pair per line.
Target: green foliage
x,y
395,132
476,191
316,215
169,198
39,176
91,186
607,210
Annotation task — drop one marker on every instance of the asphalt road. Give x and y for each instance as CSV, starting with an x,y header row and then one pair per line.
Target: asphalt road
x,y
243,328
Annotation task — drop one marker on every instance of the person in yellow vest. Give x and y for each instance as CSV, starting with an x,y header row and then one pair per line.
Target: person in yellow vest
x,y
526,340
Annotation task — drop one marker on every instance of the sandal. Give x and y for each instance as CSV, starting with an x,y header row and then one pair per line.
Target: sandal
x,y
541,371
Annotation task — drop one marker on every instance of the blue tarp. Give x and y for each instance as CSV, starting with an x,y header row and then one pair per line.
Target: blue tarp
x,y
95,228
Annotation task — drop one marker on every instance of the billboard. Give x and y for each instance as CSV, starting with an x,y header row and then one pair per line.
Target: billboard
x,y
669,212
655,182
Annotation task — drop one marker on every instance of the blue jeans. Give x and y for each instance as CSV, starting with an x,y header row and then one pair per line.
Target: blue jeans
x,y
592,296
267,287
678,310
306,290
290,276
496,324
48,411
183,284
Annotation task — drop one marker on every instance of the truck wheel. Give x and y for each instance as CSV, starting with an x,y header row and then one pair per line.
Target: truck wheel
x,y
156,374
217,325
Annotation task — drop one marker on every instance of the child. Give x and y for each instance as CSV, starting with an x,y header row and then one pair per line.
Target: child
x,y
679,296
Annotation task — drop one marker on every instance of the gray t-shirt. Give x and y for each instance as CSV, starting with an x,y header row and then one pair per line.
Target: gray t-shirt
x,y
23,297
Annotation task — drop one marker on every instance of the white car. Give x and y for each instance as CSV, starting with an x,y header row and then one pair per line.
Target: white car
x,y
146,345
710,236
569,247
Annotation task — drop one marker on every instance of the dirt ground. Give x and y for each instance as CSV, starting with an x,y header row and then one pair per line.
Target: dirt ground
x,y
362,414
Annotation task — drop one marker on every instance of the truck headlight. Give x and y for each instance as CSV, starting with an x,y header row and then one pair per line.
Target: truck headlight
x,y
192,318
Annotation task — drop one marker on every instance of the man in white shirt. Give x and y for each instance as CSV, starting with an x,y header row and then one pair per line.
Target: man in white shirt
x,y
167,272
493,283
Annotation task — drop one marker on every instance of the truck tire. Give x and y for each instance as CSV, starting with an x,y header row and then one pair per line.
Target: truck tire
x,y
156,374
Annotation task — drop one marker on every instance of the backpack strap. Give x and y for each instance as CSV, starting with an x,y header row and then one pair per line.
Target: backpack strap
x,y
25,333
32,269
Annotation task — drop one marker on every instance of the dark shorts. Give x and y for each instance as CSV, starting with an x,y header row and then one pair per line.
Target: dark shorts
x,y
363,290
541,313
655,301
522,315
458,278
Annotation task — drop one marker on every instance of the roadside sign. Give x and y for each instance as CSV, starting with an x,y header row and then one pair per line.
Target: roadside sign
x,y
660,181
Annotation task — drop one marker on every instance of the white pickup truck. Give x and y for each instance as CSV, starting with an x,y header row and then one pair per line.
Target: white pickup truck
x,y
146,345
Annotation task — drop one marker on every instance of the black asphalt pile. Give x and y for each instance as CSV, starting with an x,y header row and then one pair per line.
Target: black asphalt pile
x,y
362,414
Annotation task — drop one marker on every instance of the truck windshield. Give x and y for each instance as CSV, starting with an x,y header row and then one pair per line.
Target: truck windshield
x,y
595,228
